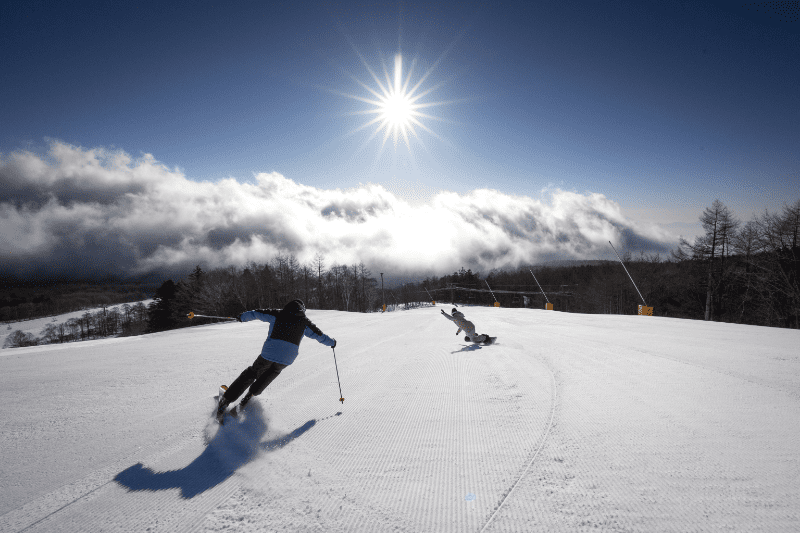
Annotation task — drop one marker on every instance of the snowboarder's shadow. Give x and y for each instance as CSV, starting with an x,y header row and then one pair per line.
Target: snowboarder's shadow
x,y
468,348
234,445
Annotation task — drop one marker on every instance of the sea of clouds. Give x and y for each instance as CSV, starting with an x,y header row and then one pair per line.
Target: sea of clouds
x,y
78,212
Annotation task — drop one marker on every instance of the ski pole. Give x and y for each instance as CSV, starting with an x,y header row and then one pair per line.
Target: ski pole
x,y
193,315
341,398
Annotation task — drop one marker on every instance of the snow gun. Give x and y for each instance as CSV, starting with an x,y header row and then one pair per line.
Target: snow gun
x,y
192,315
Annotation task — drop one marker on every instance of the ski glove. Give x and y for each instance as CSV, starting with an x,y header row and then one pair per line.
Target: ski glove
x,y
238,318
334,344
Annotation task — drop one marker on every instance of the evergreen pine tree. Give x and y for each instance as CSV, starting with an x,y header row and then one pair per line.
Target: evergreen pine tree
x,y
160,311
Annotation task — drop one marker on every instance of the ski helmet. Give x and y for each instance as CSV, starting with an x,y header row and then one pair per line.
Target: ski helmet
x,y
296,307
454,310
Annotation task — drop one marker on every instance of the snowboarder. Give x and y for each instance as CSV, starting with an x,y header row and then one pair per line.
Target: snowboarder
x,y
287,328
468,328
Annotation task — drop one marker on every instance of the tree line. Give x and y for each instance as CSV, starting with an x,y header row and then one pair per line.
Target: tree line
x,y
223,292
27,300
748,273
742,273
228,292
123,321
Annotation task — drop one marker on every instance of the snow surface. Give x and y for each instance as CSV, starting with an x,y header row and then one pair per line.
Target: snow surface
x,y
569,423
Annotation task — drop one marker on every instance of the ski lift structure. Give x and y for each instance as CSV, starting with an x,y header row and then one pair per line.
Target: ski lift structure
x,y
466,295
471,298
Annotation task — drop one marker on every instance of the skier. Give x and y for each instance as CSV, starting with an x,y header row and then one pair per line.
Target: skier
x,y
287,328
468,327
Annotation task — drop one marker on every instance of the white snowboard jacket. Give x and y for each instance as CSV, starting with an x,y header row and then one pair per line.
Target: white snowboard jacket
x,y
462,323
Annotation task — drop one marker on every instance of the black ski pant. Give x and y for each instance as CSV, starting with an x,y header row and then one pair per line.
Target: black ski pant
x,y
256,376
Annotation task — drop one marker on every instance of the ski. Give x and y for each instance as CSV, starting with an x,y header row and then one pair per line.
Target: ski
x,y
220,398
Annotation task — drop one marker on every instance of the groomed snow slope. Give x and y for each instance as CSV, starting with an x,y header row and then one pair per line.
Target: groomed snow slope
x,y
569,423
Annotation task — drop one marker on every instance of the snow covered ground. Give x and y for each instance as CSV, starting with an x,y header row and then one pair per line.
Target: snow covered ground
x,y
569,423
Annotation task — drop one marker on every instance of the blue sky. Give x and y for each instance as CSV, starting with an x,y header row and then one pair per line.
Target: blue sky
x,y
659,107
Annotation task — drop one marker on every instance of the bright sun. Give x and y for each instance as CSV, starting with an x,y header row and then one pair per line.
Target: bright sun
x,y
397,110
395,105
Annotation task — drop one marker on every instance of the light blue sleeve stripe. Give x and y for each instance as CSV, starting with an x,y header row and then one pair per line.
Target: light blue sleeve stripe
x,y
324,339
247,316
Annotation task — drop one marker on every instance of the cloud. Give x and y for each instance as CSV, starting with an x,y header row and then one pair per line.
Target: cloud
x,y
79,213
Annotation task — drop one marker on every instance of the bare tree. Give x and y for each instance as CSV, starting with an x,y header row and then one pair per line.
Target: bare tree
x,y
264,278
319,263
365,278
780,260
50,334
19,339
306,272
293,268
237,287
745,243
720,226
74,327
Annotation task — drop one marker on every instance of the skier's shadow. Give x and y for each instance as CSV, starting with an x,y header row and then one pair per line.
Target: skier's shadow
x,y
235,444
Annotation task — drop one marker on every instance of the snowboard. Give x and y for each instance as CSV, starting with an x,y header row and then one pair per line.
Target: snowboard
x,y
487,342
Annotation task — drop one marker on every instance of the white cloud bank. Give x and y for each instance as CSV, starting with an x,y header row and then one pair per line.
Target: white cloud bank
x,y
86,212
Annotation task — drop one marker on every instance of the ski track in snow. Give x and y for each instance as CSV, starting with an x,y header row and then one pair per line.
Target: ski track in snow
x,y
568,423
644,441
408,456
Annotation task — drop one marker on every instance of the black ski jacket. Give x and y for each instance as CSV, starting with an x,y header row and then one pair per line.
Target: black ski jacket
x,y
286,332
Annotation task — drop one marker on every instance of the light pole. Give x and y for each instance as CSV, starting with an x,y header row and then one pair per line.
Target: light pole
x,y
383,297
